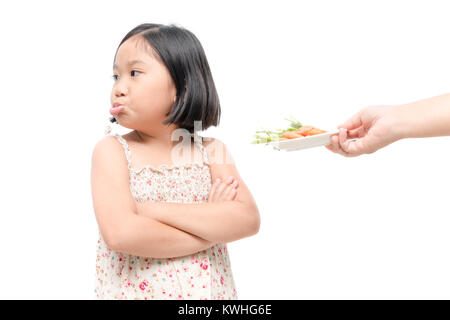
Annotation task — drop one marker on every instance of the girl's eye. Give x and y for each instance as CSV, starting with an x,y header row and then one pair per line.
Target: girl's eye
x,y
114,76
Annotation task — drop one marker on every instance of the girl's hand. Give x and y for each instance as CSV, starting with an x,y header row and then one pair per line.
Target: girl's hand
x,y
223,190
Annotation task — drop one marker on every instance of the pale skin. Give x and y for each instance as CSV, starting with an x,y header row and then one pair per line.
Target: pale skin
x,y
220,220
160,230
378,126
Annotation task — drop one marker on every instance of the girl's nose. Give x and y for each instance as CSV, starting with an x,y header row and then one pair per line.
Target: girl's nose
x,y
120,90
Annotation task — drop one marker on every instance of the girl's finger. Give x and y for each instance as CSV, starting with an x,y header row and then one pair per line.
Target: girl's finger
x,y
220,189
223,196
230,179
229,192
213,190
233,196
234,190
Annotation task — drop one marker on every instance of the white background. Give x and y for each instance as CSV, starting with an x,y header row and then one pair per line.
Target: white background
x,y
371,227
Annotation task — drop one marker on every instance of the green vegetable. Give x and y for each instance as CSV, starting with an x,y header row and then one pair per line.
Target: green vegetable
x,y
267,136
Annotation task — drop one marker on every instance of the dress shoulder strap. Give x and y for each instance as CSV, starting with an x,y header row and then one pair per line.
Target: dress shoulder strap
x,y
124,144
198,141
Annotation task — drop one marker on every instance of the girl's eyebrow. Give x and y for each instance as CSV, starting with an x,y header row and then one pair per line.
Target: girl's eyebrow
x,y
132,62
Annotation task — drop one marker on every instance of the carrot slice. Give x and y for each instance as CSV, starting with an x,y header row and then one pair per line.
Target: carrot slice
x,y
315,131
291,135
304,130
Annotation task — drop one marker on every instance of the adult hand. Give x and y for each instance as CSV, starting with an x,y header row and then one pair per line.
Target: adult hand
x,y
374,127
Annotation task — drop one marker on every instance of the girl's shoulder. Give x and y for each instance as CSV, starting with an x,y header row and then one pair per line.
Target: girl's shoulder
x,y
207,141
217,151
210,143
125,139
128,137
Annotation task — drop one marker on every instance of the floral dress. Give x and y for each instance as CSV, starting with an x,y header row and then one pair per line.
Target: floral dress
x,y
201,276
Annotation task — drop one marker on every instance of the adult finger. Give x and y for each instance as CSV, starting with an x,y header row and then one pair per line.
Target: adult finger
x,y
366,145
342,136
356,133
330,147
336,146
333,146
353,122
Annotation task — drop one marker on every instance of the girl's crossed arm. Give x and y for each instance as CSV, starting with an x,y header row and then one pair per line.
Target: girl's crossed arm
x,y
116,213
215,221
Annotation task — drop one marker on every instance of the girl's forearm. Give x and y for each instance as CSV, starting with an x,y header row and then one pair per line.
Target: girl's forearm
x,y
426,118
219,222
146,237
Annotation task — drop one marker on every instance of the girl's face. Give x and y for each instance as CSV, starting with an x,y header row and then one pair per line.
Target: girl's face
x,y
143,85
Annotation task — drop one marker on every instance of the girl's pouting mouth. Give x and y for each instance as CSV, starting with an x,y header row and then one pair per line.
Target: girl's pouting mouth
x,y
115,110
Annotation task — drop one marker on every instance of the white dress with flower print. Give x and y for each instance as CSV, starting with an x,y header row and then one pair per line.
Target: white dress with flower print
x,y
203,275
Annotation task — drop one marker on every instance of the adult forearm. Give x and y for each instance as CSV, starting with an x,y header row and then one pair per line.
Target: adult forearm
x,y
218,222
426,118
143,236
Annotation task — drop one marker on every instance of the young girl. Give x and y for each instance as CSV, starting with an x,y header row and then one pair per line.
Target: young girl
x,y
164,224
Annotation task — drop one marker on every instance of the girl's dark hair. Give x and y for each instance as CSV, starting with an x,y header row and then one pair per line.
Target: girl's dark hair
x,y
181,52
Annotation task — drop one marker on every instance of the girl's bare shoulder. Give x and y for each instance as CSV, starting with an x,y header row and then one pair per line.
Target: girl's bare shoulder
x,y
217,151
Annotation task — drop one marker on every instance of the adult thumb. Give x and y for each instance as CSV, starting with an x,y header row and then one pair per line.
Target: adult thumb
x,y
353,122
